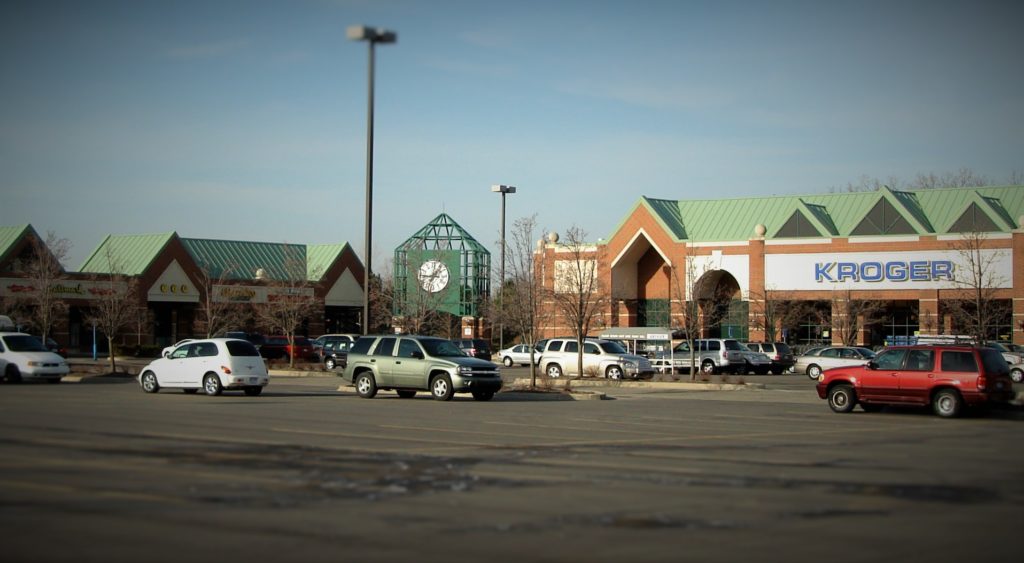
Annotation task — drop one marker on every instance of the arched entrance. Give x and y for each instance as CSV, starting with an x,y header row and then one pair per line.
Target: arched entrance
x,y
724,314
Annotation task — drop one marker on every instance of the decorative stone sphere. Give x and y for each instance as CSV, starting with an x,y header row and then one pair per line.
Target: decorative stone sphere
x,y
760,230
552,237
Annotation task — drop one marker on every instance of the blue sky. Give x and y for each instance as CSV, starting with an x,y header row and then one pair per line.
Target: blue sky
x,y
246,120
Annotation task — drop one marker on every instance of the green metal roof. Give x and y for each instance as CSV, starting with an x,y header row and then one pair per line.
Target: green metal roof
x,y
441,233
319,258
131,254
239,260
9,236
931,211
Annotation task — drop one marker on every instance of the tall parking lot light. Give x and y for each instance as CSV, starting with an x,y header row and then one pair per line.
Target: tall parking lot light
x,y
371,36
502,189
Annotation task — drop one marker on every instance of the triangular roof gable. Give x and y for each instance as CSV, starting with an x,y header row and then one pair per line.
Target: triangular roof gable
x,y
908,215
134,254
798,225
664,211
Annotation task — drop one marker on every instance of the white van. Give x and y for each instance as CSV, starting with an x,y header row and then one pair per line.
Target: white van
x,y
23,356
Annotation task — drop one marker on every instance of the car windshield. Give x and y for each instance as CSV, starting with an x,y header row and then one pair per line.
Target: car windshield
x,y
735,346
866,352
441,348
612,347
24,343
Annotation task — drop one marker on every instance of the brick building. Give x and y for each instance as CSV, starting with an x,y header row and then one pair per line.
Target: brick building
x,y
173,276
903,251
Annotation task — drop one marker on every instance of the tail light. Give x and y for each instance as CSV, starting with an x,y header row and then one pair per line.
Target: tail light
x,y
226,370
982,382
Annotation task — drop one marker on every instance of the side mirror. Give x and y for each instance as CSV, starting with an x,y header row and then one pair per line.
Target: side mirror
x,y
871,365
167,354
416,354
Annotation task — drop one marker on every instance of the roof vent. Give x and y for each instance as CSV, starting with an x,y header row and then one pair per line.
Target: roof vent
x,y
261,273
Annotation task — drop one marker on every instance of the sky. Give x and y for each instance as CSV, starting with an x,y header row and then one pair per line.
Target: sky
x,y
246,120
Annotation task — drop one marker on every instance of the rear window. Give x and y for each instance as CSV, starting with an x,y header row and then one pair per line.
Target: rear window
x,y
301,341
782,348
241,348
994,363
735,346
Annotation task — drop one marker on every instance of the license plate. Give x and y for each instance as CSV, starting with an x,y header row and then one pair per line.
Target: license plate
x,y
252,380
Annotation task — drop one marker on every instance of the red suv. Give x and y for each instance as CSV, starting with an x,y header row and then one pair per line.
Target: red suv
x,y
945,377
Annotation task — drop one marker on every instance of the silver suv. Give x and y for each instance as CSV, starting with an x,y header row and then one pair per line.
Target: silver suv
x,y
600,357
409,364
723,355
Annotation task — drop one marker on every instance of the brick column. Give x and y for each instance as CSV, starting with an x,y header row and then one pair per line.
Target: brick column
x,y
757,293
1018,283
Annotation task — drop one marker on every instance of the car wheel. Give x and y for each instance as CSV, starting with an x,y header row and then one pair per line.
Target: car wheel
x,y
253,391
329,364
813,371
1017,375
441,388
554,370
708,367
507,361
149,383
613,372
483,395
12,374
366,386
947,403
842,398
211,384
406,393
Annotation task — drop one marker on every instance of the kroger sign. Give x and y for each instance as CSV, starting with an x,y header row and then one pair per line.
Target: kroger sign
x,y
873,271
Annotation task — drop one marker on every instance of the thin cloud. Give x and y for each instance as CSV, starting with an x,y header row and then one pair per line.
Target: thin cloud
x,y
650,94
211,50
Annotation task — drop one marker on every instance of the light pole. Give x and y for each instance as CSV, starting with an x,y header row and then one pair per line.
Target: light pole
x,y
502,189
371,36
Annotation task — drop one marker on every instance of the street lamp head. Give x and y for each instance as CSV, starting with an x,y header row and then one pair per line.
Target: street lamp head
x,y
503,189
371,34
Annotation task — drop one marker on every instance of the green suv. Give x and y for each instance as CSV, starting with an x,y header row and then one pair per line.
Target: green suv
x,y
409,364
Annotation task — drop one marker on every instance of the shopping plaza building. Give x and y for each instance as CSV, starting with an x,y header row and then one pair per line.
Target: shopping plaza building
x,y
902,251
173,276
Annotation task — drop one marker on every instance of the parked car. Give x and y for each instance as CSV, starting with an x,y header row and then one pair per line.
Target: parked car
x,y
721,355
319,342
518,354
600,357
251,337
779,353
1017,373
475,347
275,347
946,377
409,364
54,347
334,353
814,361
23,356
211,365
167,351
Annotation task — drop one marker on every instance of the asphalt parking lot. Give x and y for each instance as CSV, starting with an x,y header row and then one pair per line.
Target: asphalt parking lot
x,y
99,471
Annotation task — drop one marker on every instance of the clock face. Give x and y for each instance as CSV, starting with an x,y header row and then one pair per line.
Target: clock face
x,y
433,276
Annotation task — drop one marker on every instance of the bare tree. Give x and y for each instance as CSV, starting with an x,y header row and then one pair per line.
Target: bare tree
x,y
978,279
291,299
116,302
849,316
217,314
382,299
767,308
578,294
523,295
42,306
962,178
699,305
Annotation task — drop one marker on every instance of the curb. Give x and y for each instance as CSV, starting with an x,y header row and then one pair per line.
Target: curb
x,y
662,385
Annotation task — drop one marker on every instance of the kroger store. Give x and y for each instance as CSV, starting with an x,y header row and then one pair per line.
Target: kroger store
x,y
902,250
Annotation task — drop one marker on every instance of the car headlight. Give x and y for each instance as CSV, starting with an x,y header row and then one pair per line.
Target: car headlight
x,y
629,365
465,370
34,363
821,378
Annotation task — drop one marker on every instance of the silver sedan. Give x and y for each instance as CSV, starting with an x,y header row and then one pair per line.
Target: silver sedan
x,y
813,362
518,354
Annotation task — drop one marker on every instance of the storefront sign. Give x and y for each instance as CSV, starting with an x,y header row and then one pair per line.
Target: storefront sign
x,y
929,269
871,271
63,289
